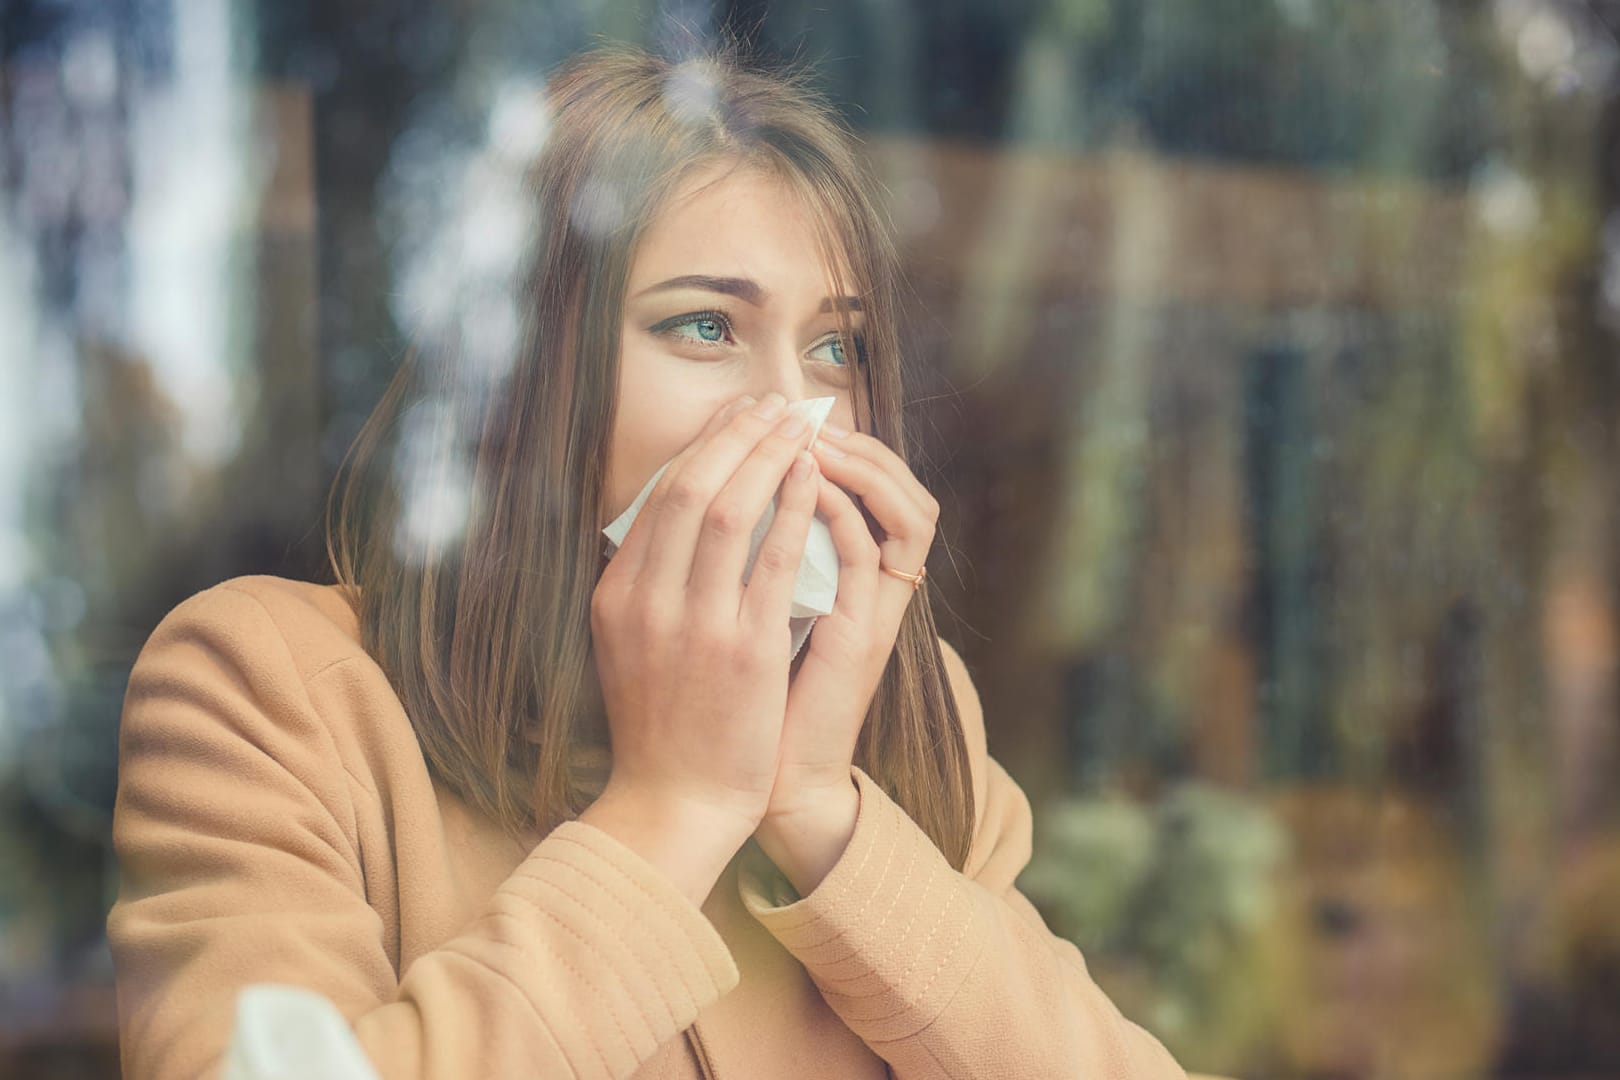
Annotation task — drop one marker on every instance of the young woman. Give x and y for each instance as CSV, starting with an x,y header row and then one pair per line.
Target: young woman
x,y
521,809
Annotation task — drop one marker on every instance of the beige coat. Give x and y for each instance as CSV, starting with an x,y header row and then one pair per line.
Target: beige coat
x,y
276,822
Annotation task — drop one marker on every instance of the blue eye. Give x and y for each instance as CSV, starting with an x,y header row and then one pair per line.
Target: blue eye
x,y
708,329
835,353
704,327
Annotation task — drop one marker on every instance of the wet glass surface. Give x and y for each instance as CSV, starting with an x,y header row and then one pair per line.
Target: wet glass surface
x,y
1264,364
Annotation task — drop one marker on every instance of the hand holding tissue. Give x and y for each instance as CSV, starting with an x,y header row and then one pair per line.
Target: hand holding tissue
x,y
817,583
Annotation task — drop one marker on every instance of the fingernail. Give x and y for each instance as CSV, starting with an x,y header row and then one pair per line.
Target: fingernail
x,y
792,426
827,448
802,464
834,430
770,406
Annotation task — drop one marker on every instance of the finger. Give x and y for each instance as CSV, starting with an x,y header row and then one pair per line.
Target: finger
x,y
632,552
857,552
767,602
883,456
721,556
907,527
680,501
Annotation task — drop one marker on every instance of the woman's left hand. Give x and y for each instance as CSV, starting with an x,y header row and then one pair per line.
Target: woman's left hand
x,y
814,796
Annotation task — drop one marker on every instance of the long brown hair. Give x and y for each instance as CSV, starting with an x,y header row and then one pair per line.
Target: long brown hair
x,y
486,636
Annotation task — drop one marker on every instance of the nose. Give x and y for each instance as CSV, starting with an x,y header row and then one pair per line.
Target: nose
x,y
776,367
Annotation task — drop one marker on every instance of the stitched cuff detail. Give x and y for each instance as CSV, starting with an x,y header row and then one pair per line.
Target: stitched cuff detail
x,y
890,934
651,957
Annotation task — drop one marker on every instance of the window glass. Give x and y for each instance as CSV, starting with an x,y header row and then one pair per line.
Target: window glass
x,y
1261,355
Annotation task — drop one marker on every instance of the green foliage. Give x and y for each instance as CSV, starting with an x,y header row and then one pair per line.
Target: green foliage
x,y
1375,85
1170,903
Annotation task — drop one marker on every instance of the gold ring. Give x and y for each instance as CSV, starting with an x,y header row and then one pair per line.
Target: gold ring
x,y
915,579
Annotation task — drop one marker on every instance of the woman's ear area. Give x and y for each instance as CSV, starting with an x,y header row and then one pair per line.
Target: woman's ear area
x,y
973,733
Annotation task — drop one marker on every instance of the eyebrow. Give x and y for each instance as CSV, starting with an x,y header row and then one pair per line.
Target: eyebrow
x,y
744,289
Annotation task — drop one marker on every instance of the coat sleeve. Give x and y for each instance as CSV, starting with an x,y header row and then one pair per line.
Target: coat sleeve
x,y
948,974
234,829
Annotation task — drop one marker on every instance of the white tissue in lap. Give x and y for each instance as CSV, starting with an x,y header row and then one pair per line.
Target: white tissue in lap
x,y
290,1033
817,583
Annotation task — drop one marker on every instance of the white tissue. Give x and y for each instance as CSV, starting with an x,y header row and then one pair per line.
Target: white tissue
x,y
817,584
290,1033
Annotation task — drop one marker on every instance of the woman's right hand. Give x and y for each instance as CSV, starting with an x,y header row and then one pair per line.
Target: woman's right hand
x,y
693,663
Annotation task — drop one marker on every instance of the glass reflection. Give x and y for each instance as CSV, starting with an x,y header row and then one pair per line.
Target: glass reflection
x,y
1263,353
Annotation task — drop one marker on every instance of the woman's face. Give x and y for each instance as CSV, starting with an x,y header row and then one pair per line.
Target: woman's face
x,y
727,296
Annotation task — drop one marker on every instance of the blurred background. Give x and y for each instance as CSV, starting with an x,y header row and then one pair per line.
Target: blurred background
x,y
1264,361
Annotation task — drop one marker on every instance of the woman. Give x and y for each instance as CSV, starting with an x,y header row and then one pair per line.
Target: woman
x,y
518,809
